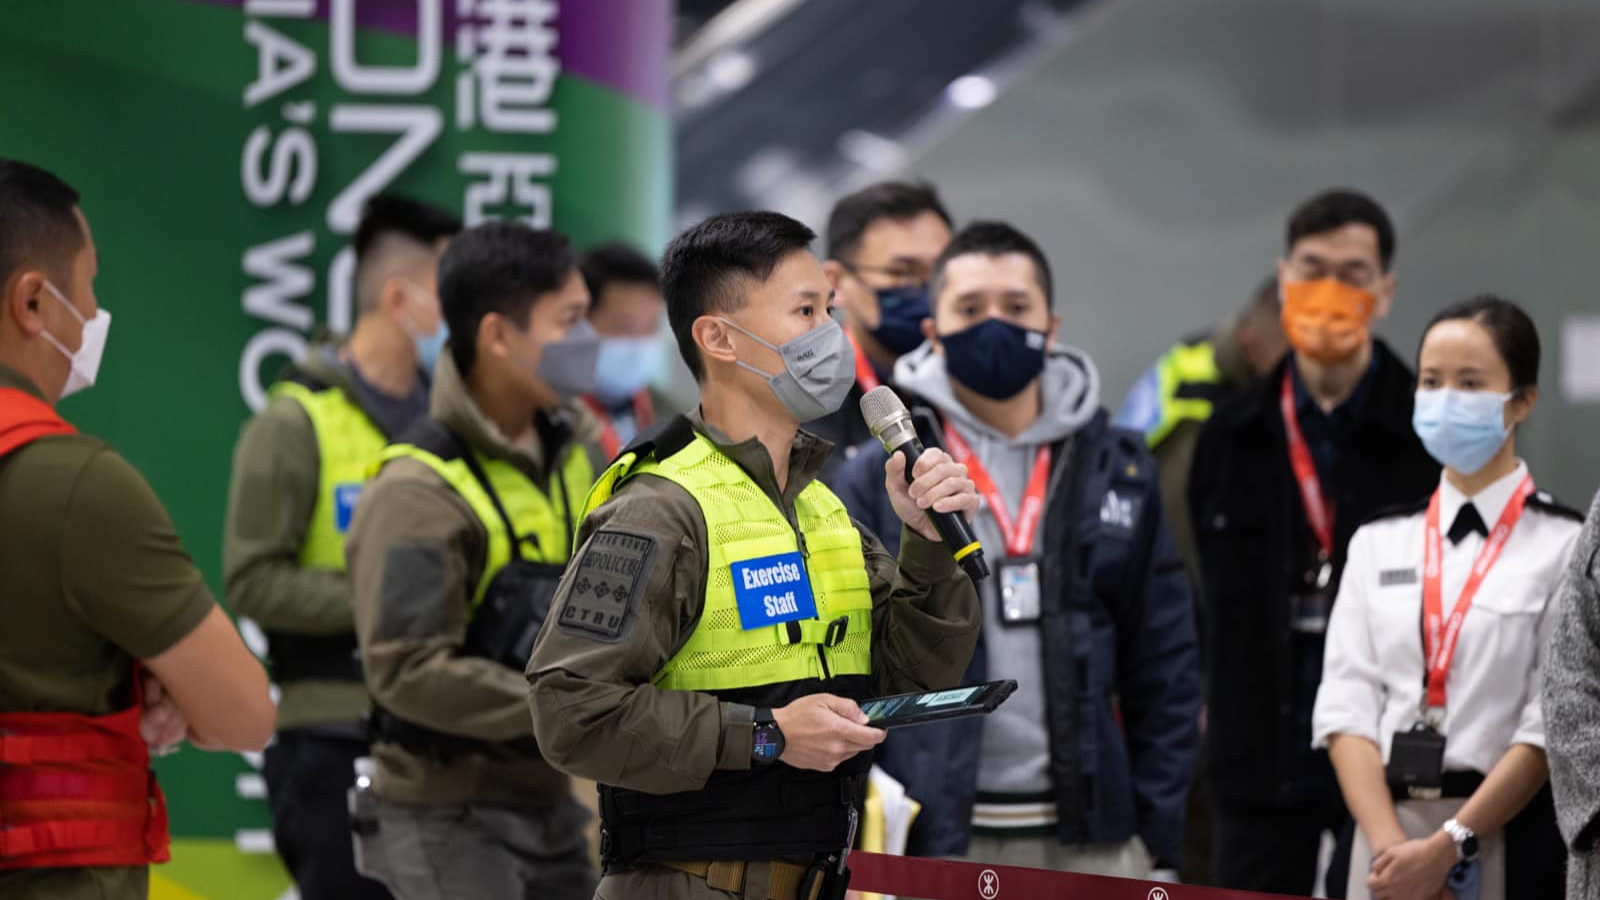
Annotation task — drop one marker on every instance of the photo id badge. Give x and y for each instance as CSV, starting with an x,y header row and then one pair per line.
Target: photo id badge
x,y
1416,763
1019,591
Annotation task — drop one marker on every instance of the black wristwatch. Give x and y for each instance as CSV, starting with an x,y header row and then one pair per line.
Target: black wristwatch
x,y
768,744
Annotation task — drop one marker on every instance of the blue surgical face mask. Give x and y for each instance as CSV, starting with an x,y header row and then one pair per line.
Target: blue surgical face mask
x,y
625,367
1461,429
901,311
995,358
428,345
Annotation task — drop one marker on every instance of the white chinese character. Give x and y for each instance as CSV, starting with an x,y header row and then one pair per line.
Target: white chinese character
x,y
508,179
510,45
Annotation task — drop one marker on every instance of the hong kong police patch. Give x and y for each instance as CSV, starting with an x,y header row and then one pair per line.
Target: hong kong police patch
x,y
610,577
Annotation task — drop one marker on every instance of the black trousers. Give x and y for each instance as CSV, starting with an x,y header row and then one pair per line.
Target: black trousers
x,y
1273,847
308,773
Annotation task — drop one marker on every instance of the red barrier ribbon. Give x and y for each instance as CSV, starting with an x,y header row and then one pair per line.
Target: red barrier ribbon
x,y
937,879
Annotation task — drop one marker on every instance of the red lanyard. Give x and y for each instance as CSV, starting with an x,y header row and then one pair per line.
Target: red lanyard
x,y
1305,472
643,414
865,376
1439,635
1017,534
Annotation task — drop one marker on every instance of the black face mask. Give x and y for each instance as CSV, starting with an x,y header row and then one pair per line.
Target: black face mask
x,y
994,357
901,311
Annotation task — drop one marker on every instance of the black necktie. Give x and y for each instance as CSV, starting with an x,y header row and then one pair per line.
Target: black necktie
x,y
1467,521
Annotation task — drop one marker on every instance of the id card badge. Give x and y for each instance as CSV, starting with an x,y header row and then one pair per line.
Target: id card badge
x,y
1311,602
1020,591
1416,763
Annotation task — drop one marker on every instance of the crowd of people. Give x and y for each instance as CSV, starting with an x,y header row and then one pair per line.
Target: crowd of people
x,y
1298,592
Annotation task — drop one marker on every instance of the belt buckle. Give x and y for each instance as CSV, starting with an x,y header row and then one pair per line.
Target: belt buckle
x,y
836,632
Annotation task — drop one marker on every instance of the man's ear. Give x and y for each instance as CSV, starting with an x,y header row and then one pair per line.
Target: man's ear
x,y
24,299
932,335
1386,285
834,271
1055,329
714,338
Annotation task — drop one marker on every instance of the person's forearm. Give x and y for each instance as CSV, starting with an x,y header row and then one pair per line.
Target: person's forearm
x,y
924,634
280,595
1513,781
676,739
1359,764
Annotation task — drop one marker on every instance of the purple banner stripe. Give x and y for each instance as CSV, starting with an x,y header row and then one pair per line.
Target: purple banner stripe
x,y
622,44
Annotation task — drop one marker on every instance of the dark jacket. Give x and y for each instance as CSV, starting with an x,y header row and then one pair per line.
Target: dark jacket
x,y
1118,615
1253,539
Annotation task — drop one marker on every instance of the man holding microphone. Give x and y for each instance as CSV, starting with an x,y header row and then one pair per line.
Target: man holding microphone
x,y
725,733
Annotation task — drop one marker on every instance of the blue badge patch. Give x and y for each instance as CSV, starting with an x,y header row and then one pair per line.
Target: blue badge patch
x,y
771,590
344,504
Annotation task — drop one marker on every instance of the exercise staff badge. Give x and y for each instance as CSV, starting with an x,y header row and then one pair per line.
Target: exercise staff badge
x,y
609,579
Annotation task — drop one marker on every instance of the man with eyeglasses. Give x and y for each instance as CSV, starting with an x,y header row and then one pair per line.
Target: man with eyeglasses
x,y
1282,476
882,243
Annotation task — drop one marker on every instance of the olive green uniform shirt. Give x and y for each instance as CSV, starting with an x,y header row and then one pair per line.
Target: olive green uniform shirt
x,y
416,552
277,470
595,711
94,577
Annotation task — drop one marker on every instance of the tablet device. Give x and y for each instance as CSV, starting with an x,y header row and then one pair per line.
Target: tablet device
x,y
934,706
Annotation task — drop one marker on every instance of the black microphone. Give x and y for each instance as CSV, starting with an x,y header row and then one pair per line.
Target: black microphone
x,y
890,422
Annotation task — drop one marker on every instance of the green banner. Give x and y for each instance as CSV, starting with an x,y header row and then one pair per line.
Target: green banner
x,y
224,148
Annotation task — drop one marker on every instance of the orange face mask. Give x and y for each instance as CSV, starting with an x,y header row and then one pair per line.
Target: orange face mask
x,y
1327,319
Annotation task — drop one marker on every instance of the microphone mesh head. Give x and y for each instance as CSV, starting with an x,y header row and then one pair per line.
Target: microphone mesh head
x,y
880,408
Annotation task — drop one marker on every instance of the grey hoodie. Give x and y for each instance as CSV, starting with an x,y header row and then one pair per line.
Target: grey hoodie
x,y
1015,750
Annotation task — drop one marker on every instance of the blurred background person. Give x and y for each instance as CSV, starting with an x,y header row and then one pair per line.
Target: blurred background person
x,y
882,241
298,470
1169,404
1572,712
454,555
113,641
1087,766
1448,769
626,310
1281,478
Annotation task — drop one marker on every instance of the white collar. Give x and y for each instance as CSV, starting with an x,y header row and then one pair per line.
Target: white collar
x,y
1491,501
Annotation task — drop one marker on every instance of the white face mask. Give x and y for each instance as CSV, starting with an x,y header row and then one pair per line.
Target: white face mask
x,y
86,362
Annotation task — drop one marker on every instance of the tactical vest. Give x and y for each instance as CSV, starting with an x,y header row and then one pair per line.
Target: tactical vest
x,y
75,790
774,811
348,444
530,531
1182,386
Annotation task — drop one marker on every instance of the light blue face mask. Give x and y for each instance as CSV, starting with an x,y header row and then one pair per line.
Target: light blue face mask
x,y
1461,429
625,367
429,347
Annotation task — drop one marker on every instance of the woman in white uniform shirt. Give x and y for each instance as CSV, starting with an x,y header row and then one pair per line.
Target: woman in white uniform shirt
x,y
1382,712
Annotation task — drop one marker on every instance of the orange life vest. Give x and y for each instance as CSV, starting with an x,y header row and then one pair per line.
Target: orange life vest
x,y
74,790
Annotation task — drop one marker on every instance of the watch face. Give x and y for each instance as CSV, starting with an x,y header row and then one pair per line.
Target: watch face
x,y
766,749
1469,847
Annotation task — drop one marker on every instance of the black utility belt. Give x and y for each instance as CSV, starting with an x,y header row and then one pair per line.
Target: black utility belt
x,y
384,727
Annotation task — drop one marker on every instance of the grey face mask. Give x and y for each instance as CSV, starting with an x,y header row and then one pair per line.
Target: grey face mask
x,y
818,369
568,365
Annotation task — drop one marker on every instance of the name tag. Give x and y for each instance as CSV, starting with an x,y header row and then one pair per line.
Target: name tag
x,y
344,504
1394,577
772,590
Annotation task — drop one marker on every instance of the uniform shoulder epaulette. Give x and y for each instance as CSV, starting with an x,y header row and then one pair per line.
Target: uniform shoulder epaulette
x,y
1398,511
1544,502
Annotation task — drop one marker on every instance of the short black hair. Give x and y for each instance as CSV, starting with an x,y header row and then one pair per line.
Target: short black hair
x,y
991,238
393,214
616,263
1331,210
498,267
1515,336
37,224
703,268
854,214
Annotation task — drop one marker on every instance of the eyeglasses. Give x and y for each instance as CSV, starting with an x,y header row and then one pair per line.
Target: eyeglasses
x,y
898,276
1356,274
